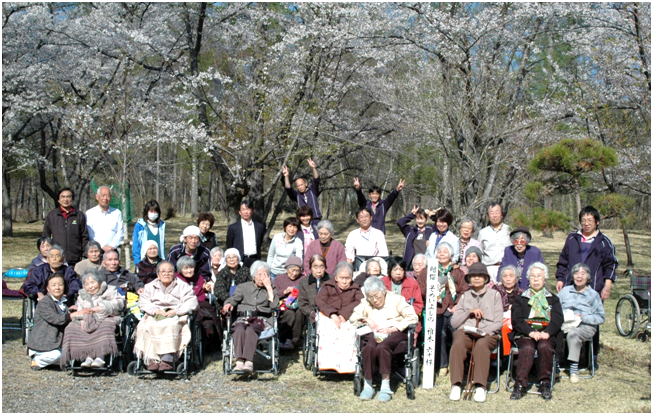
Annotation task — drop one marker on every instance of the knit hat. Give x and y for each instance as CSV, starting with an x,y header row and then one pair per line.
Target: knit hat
x,y
190,230
474,250
478,268
294,261
146,245
232,251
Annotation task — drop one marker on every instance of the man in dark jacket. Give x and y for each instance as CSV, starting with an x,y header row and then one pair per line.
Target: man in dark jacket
x,y
115,275
190,246
246,235
379,207
67,227
305,195
35,283
594,249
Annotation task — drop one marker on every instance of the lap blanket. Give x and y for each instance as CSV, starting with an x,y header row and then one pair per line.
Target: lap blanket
x,y
158,337
337,347
78,344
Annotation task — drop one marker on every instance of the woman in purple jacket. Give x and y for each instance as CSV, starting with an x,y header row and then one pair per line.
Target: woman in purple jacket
x,y
521,254
417,237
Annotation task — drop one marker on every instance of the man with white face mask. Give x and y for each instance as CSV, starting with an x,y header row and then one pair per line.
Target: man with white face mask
x,y
149,228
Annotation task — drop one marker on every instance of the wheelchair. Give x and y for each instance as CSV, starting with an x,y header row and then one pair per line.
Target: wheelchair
x,y
27,317
633,313
407,362
311,347
267,346
190,357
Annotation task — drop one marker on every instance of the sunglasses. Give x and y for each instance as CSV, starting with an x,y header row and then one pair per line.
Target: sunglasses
x,y
519,241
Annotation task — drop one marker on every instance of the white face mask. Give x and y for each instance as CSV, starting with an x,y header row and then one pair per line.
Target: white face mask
x,y
152,216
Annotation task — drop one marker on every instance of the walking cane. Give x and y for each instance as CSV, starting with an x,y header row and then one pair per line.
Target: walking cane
x,y
467,395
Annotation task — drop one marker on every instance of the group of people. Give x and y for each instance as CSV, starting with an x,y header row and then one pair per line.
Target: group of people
x,y
495,282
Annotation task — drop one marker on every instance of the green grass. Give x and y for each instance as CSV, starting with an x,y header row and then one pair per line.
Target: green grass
x,y
623,383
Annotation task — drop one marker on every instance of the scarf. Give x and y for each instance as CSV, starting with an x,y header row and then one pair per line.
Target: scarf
x,y
450,283
539,316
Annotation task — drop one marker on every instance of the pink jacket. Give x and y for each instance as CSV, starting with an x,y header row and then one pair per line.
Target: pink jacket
x,y
335,254
178,295
107,298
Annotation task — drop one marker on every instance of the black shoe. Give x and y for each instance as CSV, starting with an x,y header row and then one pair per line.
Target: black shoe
x,y
545,391
518,392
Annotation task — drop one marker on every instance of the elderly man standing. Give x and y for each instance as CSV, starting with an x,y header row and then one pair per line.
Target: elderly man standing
x,y
494,239
190,246
379,207
365,241
305,195
67,227
104,222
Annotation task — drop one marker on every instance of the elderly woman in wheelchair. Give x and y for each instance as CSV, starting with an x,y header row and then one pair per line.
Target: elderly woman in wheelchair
x,y
583,311
163,333
255,301
91,336
387,316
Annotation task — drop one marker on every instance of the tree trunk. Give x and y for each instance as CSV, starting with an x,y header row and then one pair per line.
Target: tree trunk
x,y
578,205
629,254
7,229
194,188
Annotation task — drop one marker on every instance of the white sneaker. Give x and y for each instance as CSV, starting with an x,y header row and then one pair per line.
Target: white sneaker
x,y
455,393
87,363
574,378
480,395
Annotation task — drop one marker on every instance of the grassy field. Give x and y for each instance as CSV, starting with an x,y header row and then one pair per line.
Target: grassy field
x,y
623,383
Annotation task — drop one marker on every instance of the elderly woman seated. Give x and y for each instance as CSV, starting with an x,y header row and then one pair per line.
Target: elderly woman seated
x,y
310,286
584,303
536,320
146,269
229,277
509,290
93,254
206,315
374,267
290,318
399,284
339,296
163,333
255,300
388,315
452,286
91,336
472,256
332,250
480,307
419,263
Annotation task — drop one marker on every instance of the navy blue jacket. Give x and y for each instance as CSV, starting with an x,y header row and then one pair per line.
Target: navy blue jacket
x,y
311,193
36,280
202,257
601,259
410,232
383,205
510,257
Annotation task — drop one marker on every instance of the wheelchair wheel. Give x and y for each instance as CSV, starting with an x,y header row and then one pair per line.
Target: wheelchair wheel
x,y
27,319
410,389
358,385
627,316
198,346
415,370
308,351
642,337
131,368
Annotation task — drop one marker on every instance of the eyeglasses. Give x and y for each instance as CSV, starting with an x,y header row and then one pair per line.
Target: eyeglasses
x,y
536,277
375,297
519,241
588,222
